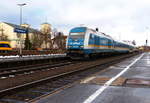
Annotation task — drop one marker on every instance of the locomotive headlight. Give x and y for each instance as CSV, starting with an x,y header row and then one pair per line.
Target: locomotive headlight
x,y
82,46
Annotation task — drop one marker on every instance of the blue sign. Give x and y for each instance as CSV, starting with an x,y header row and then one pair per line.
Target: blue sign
x,y
20,30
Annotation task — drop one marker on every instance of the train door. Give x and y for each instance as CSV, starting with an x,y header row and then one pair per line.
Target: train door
x,y
109,43
96,42
92,40
113,44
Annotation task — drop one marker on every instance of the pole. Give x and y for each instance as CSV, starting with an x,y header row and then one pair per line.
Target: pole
x,y
20,15
20,47
20,34
21,5
147,36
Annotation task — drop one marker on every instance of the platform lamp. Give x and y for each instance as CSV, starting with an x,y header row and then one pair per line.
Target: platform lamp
x,y
147,36
21,5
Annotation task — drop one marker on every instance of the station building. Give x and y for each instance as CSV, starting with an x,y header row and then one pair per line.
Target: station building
x,y
7,34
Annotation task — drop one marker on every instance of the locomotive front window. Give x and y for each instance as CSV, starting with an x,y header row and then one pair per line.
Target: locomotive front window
x,y
82,33
76,35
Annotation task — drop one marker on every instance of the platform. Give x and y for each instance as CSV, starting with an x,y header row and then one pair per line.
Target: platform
x,y
29,57
125,82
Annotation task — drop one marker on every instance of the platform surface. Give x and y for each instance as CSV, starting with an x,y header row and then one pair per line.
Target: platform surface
x,y
132,86
29,57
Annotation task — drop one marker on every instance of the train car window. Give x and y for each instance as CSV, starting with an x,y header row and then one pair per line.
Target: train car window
x,y
92,36
109,42
120,45
103,41
98,38
116,44
4,45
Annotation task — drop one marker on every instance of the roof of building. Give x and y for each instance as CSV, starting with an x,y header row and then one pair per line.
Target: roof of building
x,y
31,30
46,23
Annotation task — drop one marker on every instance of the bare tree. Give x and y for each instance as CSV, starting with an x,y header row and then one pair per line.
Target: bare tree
x,y
3,37
37,39
46,31
59,41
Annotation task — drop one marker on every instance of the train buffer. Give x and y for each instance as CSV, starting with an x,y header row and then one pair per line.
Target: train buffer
x,y
125,82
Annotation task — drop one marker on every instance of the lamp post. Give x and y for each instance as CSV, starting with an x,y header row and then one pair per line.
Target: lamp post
x,y
21,5
147,38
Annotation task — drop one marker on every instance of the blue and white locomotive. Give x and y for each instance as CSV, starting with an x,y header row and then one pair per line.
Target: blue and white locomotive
x,y
83,42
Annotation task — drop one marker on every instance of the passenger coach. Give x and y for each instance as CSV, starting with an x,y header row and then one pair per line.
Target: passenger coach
x,y
5,47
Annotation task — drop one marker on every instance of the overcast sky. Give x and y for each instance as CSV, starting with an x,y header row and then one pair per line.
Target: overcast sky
x,y
121,19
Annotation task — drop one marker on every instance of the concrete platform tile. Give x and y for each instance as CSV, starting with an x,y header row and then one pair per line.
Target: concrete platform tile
x,y
137,72
103,80
75,94
110,73
138,82
124,95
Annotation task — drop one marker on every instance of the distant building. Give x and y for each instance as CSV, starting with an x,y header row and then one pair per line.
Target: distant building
x,y
39,38
7,34
145,48
46,30
59,41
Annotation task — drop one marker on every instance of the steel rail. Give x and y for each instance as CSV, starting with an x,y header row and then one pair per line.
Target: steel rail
x,y
107,62
22,69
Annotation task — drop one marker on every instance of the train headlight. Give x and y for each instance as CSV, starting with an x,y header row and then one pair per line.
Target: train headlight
x,y
69,46
81,46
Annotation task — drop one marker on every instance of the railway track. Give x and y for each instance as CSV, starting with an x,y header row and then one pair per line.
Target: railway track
x,y
9,72
54,79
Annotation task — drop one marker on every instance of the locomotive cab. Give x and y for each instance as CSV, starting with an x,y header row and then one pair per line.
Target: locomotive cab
x,y
75,45
84,42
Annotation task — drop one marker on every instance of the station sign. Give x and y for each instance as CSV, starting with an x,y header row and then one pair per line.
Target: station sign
x,y
21,30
